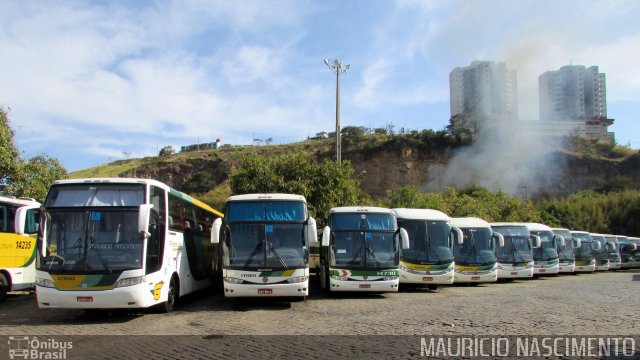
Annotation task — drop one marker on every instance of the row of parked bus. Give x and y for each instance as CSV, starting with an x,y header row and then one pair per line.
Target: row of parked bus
x,y
137,243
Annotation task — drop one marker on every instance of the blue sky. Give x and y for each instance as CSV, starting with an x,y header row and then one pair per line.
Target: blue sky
x,y
90,82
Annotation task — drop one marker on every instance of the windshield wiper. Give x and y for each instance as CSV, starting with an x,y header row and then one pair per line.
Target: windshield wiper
x,y
97,251
253,253
473,247
515,253
378,263
270,245
353,260
429,248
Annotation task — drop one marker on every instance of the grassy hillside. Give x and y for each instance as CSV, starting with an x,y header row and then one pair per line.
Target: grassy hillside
x,y
390,162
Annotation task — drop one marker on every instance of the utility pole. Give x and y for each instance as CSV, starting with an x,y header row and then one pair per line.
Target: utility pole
x,y
339,69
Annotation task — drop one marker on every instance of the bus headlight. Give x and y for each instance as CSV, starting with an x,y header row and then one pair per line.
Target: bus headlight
x,y
529,265
231,280
45,283
499,266
129,281
298,279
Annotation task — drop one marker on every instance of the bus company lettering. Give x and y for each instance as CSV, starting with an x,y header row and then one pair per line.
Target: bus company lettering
x,y
66,278
249,275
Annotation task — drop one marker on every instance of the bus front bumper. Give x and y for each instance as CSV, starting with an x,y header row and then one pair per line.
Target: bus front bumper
x,y
515,273
300,289
117,298
364,285
470,277
426,277
567,267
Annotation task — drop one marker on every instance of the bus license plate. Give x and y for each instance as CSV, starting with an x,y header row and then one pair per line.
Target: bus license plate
x,y
265,291
365,286
475,278
84,299
542,270
427,278
514,273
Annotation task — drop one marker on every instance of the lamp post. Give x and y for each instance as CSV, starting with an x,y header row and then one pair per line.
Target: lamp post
x,y
339,69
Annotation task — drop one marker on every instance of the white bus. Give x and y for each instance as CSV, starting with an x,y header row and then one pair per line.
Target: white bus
x,y
515,258
475,258
545,257
615,262
602,255
360,250
636,253
18,228
586,253
627,251
122,243
264,239
429,258
566,257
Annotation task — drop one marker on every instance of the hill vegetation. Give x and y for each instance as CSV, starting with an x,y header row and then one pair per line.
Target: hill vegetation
x,y
598,193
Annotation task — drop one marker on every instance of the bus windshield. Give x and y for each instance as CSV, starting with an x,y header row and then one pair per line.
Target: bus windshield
x,y
428,241
364,240
517,244
478,247
100,240
255,211
263,245
547,249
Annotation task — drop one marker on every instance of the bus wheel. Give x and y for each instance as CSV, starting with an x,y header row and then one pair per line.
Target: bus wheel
x,y
4,287
172,296
432,287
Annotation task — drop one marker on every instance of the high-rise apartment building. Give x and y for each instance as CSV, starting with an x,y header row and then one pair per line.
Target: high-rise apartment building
x,y
575,95
484,91
572,93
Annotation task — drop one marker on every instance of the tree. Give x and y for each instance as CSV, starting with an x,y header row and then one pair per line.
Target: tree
x,y
166,151
34,177
8,151
324,185
25,178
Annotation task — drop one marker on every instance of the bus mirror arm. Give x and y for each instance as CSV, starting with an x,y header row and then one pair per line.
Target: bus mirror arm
x,y
578,242
312,231
326,236
460,236
500,238
404,237
143,220
560,240
215,231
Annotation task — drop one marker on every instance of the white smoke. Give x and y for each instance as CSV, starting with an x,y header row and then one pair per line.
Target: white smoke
x,y
512,156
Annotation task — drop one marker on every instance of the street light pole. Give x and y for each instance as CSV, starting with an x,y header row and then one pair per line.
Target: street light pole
x,y
337,66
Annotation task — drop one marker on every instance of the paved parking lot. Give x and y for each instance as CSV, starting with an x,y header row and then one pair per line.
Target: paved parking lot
x,y
586,304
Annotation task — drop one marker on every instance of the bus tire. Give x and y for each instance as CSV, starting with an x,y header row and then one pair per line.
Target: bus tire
x,y
172,296
4,286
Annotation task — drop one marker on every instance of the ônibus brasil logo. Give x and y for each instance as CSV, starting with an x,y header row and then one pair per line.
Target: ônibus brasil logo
x,y
26,347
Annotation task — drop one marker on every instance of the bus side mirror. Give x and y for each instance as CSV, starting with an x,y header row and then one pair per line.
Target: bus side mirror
x,y
560,240
459,235
312,231
143,220
536,241
215,231
596,245
578,242
21,220
612,245
404,238
326,236
633,247
500,238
